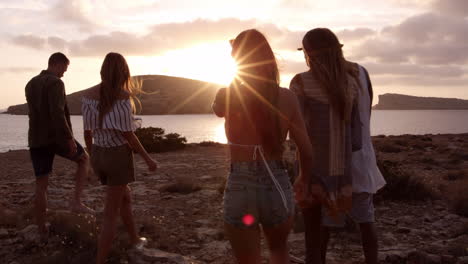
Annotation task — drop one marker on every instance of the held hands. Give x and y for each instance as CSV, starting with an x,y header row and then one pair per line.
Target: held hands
x,y
309,195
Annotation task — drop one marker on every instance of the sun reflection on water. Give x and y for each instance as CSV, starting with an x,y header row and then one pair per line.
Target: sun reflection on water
x,y
219,134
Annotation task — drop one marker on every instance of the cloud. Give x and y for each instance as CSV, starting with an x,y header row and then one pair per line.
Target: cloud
x,y
415,70
18,70
160,38
451,7
73,11
427,39
56,43
30,41
347,35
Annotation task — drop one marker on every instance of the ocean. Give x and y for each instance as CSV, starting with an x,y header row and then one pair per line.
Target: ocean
x,y
198,128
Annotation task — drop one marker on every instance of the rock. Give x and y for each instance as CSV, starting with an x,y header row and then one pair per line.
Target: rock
x,y
403,230
406,220
293,237
391,222
208,193
81,228
3,233
214,250
30,234
8,217
396,257
208,234
447,259
388,239
203,222
150,255
205,177
418,257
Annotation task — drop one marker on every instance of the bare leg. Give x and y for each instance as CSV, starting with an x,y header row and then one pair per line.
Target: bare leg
x,y
126,214
312,222
114,198
369,242
324,238
277,239
245,243
80,178
40,203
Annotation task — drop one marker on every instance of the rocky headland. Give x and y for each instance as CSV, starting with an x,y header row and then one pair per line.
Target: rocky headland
x,y
162,95
421,213
407,102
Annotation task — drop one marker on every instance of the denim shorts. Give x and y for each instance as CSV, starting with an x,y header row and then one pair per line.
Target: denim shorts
x,y
362,211
251,197
43,157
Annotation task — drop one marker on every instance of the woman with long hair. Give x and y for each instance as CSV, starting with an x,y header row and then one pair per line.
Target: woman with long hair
x,y
258,116
109,127
328,95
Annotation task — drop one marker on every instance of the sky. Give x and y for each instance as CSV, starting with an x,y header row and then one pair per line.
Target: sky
x,y
415,47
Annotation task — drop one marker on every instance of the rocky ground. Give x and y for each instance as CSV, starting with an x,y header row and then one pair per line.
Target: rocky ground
x,y
179,209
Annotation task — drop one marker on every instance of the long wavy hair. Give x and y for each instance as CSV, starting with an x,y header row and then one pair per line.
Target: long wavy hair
x,y
116,83
257,86
326,61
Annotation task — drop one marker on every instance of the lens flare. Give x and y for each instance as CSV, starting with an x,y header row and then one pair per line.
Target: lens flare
x,y
248,219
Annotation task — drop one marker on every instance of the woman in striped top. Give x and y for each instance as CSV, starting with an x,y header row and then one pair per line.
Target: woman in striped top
x,y
109,127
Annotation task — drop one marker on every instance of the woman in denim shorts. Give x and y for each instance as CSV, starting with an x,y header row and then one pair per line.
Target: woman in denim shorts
x,y
258,116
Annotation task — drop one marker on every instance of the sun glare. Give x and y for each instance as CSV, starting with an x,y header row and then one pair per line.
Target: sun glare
x,y
211,62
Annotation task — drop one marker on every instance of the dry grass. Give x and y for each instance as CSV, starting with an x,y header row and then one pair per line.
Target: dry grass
x,y
400,186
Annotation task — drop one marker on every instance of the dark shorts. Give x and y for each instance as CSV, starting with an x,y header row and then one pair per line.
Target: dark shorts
x,y
251,197
43,157
113,165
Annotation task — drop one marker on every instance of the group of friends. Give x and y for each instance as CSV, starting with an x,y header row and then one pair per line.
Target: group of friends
x,y
326,113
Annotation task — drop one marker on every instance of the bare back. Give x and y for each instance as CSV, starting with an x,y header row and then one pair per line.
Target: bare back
x,y
240,130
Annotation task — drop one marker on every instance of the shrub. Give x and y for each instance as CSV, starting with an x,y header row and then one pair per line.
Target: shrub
x,y
389,148
182,184
209,143
154,139
400,186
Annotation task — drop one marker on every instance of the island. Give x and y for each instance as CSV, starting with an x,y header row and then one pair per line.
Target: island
x,y
392,101
161,95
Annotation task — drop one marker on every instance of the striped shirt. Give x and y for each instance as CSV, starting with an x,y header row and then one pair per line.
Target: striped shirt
x,y
119,119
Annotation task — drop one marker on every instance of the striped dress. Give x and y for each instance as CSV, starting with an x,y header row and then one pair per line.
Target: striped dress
x,y
119,119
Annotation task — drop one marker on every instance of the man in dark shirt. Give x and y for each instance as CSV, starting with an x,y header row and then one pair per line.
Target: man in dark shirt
x,y
50,133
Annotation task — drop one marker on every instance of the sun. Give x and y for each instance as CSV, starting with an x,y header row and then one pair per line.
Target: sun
x,y
210,62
